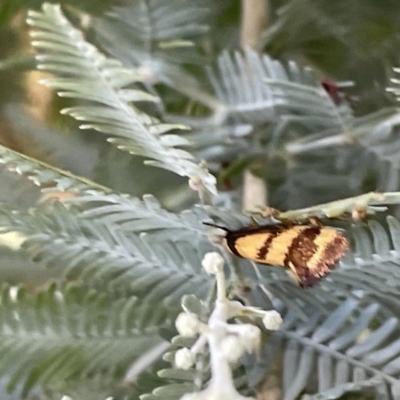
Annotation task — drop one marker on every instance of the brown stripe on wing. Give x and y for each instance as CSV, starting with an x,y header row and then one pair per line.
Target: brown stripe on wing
x,y
232,237
263,250
279,248
333,252
230,242
327,253
303,247
301,250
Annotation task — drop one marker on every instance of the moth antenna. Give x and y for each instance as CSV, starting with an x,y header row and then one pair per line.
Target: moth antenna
x,y
216,226
254,221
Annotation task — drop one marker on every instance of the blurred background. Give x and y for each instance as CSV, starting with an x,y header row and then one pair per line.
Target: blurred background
x,y
356,42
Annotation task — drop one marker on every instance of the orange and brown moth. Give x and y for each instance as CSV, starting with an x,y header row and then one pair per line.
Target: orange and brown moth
x,y
309,252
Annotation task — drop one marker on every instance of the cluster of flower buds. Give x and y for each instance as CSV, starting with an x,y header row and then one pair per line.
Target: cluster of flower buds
x,y
227,342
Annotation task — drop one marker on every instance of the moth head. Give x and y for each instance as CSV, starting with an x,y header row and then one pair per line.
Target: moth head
x,y
217,235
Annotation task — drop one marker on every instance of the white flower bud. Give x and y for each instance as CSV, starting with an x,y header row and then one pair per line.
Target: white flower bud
x,y
235,308
184,358
212,262
272,320
196,183
188,324
251,337
192,396
216,394
13,240
232,348
147,74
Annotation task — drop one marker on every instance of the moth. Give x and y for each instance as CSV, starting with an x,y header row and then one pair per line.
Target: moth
x,y
309,252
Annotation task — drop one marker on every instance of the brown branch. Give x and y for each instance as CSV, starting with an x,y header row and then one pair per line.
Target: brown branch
x,y
255,18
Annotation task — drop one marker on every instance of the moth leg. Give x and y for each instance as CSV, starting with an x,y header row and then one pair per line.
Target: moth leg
x,y
254,222
358,213
292,270
315,222
268,212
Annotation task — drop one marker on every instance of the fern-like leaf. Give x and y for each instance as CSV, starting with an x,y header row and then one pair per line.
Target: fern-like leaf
x,y
162,271
86,74
374,264
44,175
256,89
62,334
155,30
133,215
354,343
158,37
373,139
